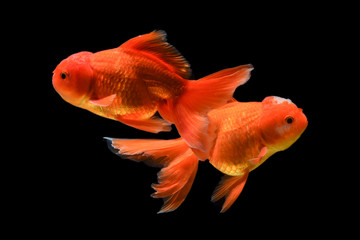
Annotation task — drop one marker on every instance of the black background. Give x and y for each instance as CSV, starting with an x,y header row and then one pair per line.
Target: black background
x,y
70,180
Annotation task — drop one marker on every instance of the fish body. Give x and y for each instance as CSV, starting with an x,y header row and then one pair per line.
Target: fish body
x,y
144,75
240,136
139,83
237,138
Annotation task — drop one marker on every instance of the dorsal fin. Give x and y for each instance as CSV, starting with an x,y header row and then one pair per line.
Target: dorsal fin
x,y
154,43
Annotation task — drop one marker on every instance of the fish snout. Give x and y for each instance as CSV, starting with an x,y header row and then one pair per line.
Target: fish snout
x,y
303,122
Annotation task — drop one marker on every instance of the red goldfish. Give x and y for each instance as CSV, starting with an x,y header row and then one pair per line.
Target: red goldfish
x,y
241,135
144,75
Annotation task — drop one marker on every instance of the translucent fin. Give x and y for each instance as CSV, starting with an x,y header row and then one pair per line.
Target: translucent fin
x,y
155,44
175,181
178,161
255,161
153,124
104,102
229,188
189,111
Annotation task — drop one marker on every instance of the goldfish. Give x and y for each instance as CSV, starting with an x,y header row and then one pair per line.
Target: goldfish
x,y
242,136
141,77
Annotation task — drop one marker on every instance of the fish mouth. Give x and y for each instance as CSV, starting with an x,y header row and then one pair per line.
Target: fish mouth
x,y
304,121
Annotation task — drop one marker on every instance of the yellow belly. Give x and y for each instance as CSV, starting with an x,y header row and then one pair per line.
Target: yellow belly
x,y
237,137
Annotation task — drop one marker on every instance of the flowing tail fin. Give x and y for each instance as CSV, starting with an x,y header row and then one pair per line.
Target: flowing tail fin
x,y
188,112
179,166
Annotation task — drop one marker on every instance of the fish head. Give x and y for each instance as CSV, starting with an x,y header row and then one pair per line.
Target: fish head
x,y
281,122
72,78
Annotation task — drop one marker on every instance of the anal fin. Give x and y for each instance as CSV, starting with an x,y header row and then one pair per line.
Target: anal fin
x,y
229,188
153,124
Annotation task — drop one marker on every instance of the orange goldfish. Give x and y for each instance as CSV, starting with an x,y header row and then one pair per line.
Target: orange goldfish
x,y
144,75
241,135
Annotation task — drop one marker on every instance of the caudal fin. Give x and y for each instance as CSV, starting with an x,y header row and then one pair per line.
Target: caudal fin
x,y
188,112
179,166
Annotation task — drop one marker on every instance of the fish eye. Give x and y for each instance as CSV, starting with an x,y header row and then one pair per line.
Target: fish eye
x,y
63,75
289,119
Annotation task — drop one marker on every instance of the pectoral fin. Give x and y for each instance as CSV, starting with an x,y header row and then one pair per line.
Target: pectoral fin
x,y
257,160
104,102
